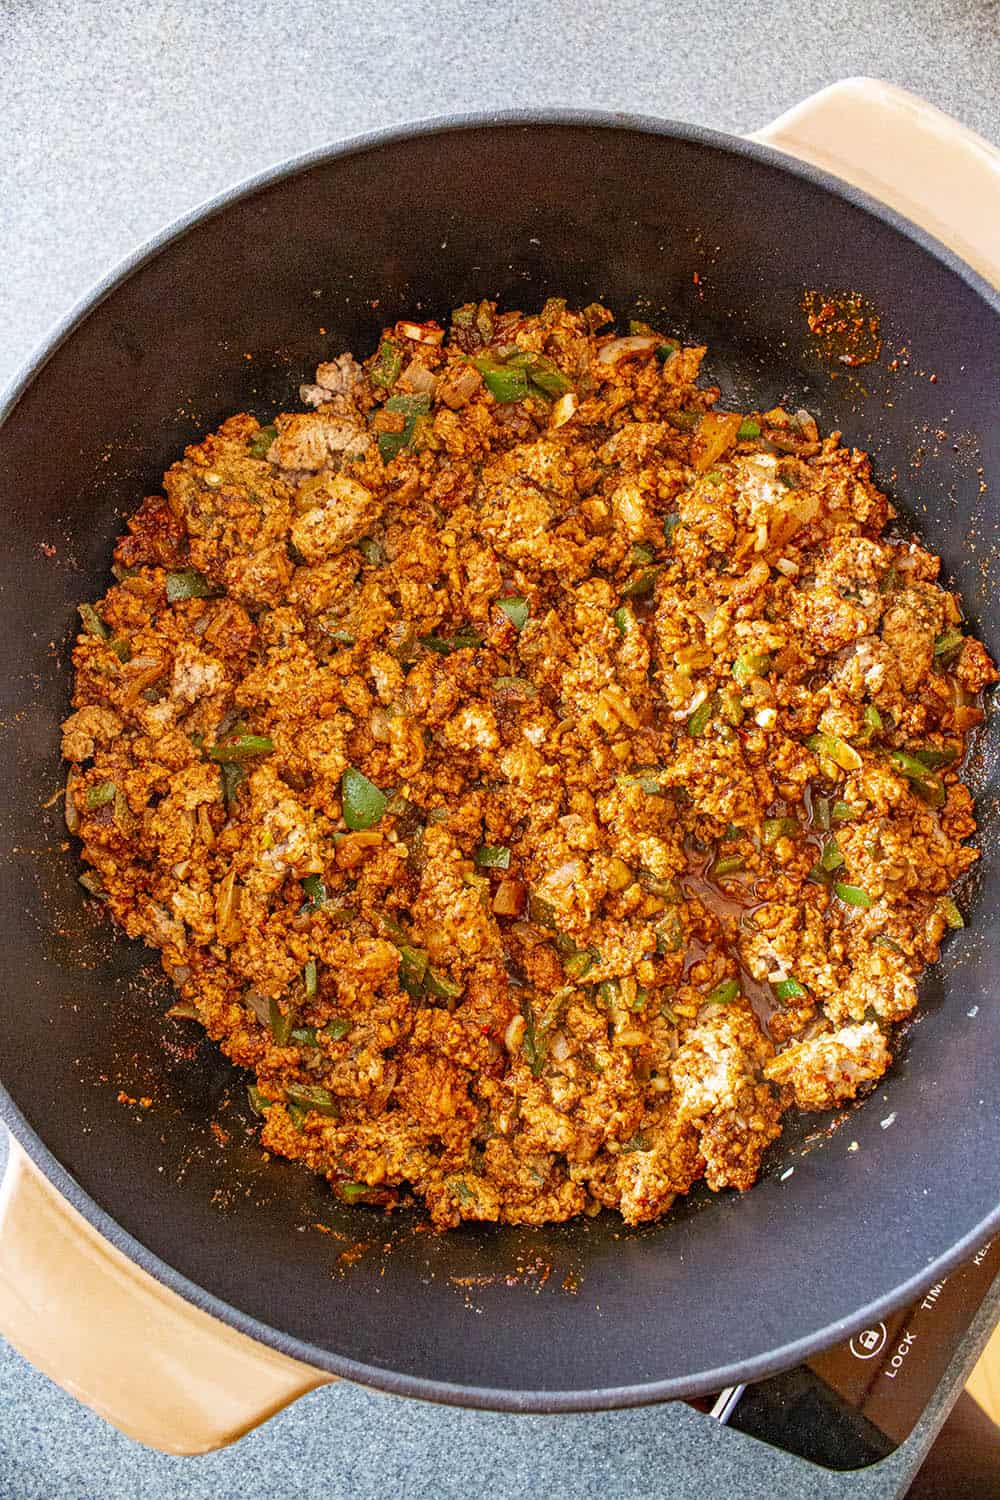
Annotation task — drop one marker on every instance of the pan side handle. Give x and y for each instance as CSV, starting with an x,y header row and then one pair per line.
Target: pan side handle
x,y
904,152
154,1366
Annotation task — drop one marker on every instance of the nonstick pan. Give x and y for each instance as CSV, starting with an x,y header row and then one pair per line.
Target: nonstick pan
x,y
207,1257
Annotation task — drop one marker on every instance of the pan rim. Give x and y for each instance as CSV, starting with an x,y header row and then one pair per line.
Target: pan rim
x,y
472,1396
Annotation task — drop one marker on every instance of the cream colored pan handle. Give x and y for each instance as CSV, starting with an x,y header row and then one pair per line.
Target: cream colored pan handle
x,y
155,1367
907,154
146,1360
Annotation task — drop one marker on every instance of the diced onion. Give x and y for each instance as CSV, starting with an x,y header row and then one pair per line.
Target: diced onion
x,y
72,816
808,425
510,898
421,333
420,380
559,1047
259,1004
458,391
564,409
636,343
696,700
379,1097
514,1035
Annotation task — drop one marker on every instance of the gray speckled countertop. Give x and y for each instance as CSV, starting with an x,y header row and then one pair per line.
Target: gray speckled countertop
x,y
119,118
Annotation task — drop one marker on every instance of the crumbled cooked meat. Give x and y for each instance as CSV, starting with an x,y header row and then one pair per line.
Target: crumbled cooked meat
x,y
89,727
337,378
909,628
340,512
974,669
720,1089
311,441
831,1067
539,786
196,675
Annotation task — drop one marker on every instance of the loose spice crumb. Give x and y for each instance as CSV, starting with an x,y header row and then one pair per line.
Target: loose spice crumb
x,y
846,326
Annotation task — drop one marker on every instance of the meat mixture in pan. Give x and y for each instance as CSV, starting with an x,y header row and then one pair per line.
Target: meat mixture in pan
x,y
539,778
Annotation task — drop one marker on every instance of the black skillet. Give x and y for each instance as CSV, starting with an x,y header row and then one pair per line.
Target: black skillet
x,y
708,237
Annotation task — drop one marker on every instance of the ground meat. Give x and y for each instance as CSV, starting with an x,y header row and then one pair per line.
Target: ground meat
x,y
83,731
831,1067
720,1090
540,779
975,670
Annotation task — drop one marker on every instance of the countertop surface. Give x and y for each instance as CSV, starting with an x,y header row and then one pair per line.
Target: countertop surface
x,y
117,119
